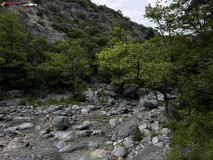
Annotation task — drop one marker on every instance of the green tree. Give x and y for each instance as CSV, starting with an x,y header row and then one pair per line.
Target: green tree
x,y
14,70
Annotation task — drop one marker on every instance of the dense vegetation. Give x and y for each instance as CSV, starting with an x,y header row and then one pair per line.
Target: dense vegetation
x,y
180,57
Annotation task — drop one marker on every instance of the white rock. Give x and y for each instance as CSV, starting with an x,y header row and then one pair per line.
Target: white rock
x,y
25,126
155,140
84,110
164,131
109,142
159,144
113,122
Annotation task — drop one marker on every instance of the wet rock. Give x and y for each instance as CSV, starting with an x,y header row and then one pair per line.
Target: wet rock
x,y
61,122
25,126
68,148
60,144
119,151
84,133
83,126
93,145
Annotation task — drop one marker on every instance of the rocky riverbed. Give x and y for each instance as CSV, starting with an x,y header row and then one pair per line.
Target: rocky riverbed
x,y
93,131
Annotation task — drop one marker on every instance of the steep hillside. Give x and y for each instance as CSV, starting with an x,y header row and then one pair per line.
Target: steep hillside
x,y
59,20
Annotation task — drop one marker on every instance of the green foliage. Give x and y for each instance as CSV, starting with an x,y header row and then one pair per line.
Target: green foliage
x,y
52,101
193,137
41,23
137,135
52,7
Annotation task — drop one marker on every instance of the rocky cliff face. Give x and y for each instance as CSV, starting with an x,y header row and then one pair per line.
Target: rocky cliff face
x,y
55,19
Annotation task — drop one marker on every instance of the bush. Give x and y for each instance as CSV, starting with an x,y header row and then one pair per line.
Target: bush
x,y
51,101
137,135
63,27
192,137
41,23
53,7
80,97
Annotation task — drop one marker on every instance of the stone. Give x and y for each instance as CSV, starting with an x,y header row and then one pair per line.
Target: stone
x,y
93,145
49,135
143,126
84,133
61,122
149,104
85,110
155,127
99,154
164,131
76,108
119,152
97,132
113,122
155,139
159,144
54,108
128,142
45,131
146,139
68,148
60,144
109,142
64,136
83,126
124,129
25,126
145,132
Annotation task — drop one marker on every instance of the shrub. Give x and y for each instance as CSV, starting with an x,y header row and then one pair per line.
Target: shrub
x,y
80,97
137,135
192,137
41,23
51,101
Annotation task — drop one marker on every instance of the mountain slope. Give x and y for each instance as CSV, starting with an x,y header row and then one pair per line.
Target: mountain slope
x,y
57,20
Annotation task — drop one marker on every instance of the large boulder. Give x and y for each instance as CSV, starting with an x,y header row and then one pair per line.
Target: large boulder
x,y
124,129
149,104
61,122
